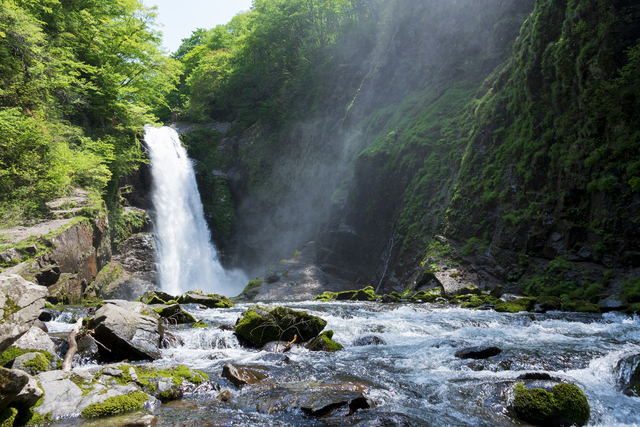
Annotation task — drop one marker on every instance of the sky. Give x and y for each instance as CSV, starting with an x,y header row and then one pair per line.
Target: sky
x,y
180,17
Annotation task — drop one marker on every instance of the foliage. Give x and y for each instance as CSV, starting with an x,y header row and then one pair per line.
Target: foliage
x,y
78,80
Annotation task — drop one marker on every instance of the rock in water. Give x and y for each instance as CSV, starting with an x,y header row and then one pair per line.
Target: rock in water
x,y
368,340
208,300
260,326
240,376
21,303
480,352
566,405
126,334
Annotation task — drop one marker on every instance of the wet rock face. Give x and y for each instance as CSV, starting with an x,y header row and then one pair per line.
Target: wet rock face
x,y
131,272
128,335
21,303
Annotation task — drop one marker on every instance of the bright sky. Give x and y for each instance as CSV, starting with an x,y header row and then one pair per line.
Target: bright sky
x,y
181,17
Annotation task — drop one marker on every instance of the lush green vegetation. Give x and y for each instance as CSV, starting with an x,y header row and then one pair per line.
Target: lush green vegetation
x,y
78,80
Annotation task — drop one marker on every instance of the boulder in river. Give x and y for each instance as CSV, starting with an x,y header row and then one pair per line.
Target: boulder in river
x,y
21,303
173,314
240,376
125,334
628,370
516,305
324,342
565,405
427,295
156,297
479,352
368,340
260,325
208,300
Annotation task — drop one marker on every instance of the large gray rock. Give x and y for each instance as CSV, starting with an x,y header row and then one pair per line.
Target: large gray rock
x,y
20,305
64,398
31,363
36,339
29,395
126,334
131,272
11,384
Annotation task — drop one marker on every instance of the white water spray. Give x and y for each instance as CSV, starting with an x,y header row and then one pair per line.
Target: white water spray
x,y
185,255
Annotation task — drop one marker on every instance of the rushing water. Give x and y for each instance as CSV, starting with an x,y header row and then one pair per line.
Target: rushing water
x,y
186,257
415,372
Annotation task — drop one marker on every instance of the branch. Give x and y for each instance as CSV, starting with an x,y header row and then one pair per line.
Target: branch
x,y
73,347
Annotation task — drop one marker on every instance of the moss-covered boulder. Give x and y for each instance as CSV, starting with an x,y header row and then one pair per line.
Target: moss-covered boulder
x,y
516,305
580,306
260,325
547,303
326,296
155,297
427,295
115,405
208,300
324,342
174,314
365,294
565,405
475,301
468,290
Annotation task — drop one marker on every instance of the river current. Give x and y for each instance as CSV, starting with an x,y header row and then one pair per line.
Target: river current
x,y
415,372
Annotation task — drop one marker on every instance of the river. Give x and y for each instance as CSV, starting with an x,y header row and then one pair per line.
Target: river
x,y
415,373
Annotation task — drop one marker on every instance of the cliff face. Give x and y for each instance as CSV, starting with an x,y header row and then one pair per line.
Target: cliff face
x,y
540,162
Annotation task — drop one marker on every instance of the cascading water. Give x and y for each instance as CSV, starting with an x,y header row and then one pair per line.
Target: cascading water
x,y
186,257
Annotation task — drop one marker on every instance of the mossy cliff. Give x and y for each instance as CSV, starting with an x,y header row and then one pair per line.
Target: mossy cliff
x,y
539,162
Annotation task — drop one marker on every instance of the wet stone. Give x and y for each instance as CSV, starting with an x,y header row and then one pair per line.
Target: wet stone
x,y
240,376
479,352
369,340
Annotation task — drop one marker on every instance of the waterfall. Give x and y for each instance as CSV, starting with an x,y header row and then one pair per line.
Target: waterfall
x,y
186,258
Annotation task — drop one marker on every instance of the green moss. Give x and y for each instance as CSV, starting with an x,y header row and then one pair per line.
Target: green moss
x,y
428,295
115,404
365,294
255,283
261,326
200,324
535,406
10,307
571,403
324,342
326,296
517,305
479,300
12,352
49,306
39,363
8,417
178,373
566,405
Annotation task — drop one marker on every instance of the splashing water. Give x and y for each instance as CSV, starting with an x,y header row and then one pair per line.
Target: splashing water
x,y
186,257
